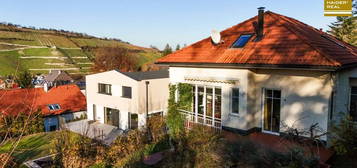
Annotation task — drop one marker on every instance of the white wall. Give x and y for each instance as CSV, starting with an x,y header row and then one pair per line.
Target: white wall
x,y
304,101
238,76
305,94
115,101
342,92
158,96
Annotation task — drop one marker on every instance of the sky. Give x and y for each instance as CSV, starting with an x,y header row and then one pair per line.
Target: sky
x,y
153,22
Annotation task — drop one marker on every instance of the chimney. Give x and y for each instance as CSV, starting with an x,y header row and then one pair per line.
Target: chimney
x,y
45,87
260,26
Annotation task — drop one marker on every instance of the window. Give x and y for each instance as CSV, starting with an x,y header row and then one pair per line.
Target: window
x,y
272,103
53,128
54,107
353,103
126,92
217,103
209,103
133,120
242,41
235,100
156,114
105,88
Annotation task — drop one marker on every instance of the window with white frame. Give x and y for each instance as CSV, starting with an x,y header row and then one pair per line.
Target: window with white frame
x,y
54,107
235,100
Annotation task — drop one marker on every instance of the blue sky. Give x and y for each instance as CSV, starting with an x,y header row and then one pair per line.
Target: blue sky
x,y
153,22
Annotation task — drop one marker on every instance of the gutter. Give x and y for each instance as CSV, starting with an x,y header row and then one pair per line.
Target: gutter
x,y
252,66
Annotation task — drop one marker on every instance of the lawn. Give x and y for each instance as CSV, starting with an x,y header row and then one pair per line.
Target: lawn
x,y
40,52
9,60
31,146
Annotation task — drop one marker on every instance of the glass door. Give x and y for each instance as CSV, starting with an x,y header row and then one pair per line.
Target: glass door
x,y
271,114
111,116
201,105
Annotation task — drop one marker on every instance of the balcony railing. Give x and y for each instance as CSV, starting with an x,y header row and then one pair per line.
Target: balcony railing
x,y
192,118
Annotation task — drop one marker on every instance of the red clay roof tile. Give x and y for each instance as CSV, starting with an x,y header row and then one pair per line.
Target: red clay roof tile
x,y
69,97
286,41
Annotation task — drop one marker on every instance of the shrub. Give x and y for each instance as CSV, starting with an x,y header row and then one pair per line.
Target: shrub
x,y
125,146
344,136
12,126
157,127
7,161
74,150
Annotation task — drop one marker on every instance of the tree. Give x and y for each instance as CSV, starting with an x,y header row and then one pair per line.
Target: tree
x,y
345,28
109,58
178,47
24,79
167,50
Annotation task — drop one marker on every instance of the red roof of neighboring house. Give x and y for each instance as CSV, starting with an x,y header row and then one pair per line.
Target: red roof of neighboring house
x,y
286,41
69,98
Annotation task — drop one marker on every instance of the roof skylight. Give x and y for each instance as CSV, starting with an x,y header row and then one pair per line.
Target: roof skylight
x,y
54,107
241,41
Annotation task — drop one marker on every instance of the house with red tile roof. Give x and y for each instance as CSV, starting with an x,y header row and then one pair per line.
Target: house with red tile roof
x,y
59,104
268,73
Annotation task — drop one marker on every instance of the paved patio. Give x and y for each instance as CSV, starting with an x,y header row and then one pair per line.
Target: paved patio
x,y
95,130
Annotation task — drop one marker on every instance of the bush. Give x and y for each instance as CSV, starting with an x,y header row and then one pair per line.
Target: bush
x,y
7,161
157,127
198,147
12,126
122,150
344,137
74,150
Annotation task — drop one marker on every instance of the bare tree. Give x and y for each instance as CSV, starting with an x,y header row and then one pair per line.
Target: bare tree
x,y
109,58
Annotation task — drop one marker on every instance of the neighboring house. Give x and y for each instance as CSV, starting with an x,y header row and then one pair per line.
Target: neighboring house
x,y
56,78
268,73
119,98
2,84
59,104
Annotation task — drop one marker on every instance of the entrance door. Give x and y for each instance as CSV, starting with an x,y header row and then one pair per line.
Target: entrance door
x,y
133,121
111,116
271,114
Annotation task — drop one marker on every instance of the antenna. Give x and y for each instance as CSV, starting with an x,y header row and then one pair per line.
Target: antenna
x,y
215,36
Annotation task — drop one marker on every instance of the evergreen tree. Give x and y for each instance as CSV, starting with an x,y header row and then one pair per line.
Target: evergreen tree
x,y
24,79
345,28
167,50
178,47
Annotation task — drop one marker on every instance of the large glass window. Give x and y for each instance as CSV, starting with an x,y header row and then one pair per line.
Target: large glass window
x,y
105,88
209,102
353,103
217,102
272,110
201,100
111,116
235,100
205,104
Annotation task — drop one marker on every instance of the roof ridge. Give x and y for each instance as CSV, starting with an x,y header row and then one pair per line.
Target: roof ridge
x,y
302,38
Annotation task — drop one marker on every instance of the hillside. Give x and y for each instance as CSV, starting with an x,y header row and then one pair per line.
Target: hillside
x,y
40,50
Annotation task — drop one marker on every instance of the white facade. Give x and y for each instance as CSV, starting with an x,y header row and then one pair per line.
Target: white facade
x,y
157,97
304,95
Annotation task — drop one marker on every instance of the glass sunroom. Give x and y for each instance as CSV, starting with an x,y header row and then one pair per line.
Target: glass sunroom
x,y
202,104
